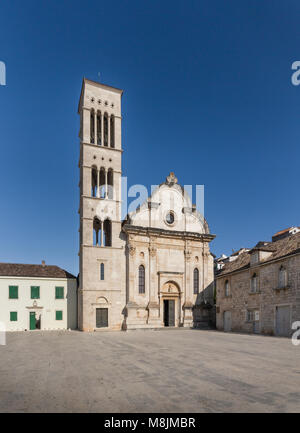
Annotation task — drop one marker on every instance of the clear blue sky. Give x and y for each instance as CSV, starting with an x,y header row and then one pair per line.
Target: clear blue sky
x,y
207,94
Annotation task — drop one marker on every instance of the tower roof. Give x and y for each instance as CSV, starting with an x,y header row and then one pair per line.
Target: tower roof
x,y
97,84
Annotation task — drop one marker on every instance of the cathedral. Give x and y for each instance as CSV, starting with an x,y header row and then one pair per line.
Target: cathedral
x,y
152,269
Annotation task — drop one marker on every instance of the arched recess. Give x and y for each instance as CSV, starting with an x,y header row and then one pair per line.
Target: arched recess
x,y
105,120
96,232
110,183
170,287
92,126
141,279
99,128
254,283
102,300
102,271
196,281
282,277
94,181
112,131
107,233
102,182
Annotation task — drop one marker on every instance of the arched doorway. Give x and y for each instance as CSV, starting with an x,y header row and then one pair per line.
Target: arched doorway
x,y
170,304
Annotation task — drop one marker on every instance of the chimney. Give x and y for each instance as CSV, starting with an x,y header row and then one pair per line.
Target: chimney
x,y
43,263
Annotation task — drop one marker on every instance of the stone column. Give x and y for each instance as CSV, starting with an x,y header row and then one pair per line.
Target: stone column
x,y
102,129
131,257
188,304
108,129
153,305
95,127
101,239
106,191
132,321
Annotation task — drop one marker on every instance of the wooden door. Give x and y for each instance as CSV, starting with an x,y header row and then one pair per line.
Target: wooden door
x,y
283,326
227,321
32,320
171,312
101,317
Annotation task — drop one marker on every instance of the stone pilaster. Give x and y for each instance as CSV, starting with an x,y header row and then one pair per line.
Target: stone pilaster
x,y
188,304
153,306
131,306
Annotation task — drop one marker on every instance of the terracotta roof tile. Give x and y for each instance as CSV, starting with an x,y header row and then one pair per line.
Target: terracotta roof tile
x,y
281,248
24,270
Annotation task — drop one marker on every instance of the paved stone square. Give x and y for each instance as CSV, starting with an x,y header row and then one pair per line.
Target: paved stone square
x,y
148,371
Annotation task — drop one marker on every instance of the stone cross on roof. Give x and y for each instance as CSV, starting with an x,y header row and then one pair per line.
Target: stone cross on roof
x,y
171,179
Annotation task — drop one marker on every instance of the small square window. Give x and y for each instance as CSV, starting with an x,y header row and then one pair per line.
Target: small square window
x,y
59,293
58,315
35,292
13,292
13,316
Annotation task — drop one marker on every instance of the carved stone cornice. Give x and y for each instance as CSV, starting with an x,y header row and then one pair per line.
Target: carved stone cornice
x,y
188,255
131,249
158,232
152,250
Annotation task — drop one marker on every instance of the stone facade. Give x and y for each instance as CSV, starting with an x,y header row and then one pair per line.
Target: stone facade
x,y
260,290
98,101
154,264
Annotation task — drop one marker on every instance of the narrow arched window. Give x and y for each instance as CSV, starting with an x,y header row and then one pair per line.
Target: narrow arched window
x,y
110,183
92,127
196,281
102,271
96,231
253,283
112,131
102,182
141,279
105,129
107,232
282,278
94,181
99,128
227,288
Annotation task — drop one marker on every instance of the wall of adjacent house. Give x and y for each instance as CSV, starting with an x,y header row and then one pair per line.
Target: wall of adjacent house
x,y
265,301
45,306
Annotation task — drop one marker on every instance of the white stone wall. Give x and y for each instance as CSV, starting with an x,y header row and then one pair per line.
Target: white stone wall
x,y
46,306
173,255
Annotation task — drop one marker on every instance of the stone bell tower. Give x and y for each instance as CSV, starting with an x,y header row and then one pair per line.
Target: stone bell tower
x,y
102,245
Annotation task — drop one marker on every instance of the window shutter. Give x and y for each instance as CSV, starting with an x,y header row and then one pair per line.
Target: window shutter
x,y
35,292
13,316
59,315
13,292
59,293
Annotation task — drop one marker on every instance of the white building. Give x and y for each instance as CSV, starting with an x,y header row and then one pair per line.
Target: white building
x,y
37,297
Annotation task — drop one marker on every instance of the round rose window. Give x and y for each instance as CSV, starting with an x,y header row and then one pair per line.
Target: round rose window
x,y
170,218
